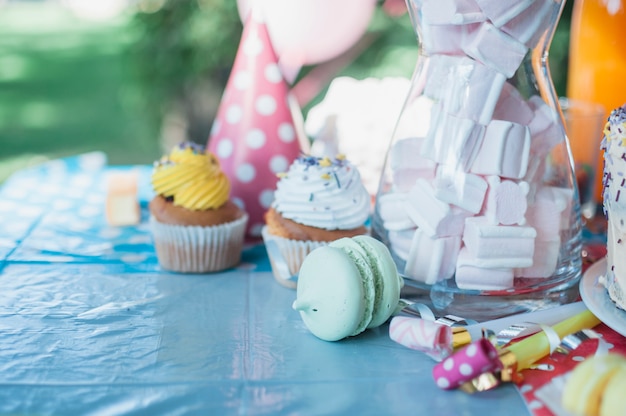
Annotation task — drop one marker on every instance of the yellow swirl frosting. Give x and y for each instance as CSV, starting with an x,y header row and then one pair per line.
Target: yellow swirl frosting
x,y
192,177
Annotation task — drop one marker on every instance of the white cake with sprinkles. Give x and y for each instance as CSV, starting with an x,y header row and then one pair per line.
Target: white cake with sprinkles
x,y
614,200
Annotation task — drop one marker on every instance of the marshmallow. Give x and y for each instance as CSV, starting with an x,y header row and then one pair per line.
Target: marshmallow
x,y
407,165
531,24
452,140
543,115
567,195
400,242
495,49
437,74
537,169
455,12
504,151
404,179
391,210
543,142
499,246
506,201
501,11
544,260
544,215
122,204
405,154
462,189
445,39
472,90
545,130
470,276
432,259
512,106
431,215
464,87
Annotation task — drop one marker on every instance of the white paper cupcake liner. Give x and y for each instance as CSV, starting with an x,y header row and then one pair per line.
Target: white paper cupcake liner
x,y
292,252
198,249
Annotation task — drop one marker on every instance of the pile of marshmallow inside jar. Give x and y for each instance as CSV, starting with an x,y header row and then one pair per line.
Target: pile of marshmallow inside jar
x,y
467,196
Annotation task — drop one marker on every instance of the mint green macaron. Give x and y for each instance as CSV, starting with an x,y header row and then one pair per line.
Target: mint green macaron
x,y
346,287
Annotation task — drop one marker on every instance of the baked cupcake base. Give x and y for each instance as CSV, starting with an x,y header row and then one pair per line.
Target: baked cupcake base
x,y
292,252
198,249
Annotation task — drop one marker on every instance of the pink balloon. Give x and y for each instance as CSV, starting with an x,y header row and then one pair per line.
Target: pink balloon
x,y
306,32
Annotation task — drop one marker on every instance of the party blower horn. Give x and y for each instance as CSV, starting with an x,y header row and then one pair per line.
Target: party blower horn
x,y
254,134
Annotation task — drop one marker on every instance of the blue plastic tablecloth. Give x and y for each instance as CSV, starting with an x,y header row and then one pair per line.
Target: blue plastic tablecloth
x,y
89,324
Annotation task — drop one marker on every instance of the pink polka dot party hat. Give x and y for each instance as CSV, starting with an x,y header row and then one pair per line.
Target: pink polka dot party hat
x,y
254,134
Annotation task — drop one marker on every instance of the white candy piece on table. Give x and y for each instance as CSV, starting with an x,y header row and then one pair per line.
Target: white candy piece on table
x,y
499,245
391,208
400,242
455,12
504,150
122,203
512,106
544,260
464,190
530,25
432,259
506,201
431,215
451,140
445,39
501,11
545,213
470,276
495,49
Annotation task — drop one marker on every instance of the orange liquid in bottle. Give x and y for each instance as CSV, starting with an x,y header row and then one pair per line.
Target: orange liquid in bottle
x,y
597,59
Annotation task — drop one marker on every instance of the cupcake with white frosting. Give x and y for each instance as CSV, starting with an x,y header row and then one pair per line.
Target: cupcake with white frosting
x,y
318,200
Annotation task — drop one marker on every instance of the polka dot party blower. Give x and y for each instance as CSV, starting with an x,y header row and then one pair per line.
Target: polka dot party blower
x,y
254,134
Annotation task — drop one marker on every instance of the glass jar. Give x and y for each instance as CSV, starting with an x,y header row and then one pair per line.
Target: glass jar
x,y
478,200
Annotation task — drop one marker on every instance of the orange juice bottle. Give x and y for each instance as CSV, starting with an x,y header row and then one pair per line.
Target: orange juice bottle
x,y
597,58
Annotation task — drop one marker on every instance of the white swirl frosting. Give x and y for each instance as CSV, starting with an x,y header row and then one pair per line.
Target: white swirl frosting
x,y
323,193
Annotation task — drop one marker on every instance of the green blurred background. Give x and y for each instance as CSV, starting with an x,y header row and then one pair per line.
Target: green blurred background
x,y
79,76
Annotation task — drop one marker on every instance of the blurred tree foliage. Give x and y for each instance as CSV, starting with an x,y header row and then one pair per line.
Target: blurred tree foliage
x,y
185,48
183,53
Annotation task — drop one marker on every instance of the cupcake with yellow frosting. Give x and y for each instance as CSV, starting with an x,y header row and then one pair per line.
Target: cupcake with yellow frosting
x,y
195,226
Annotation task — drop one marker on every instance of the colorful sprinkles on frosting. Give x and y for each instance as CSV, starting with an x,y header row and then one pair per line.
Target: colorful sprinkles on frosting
x,y
323,192
339,161
614,132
